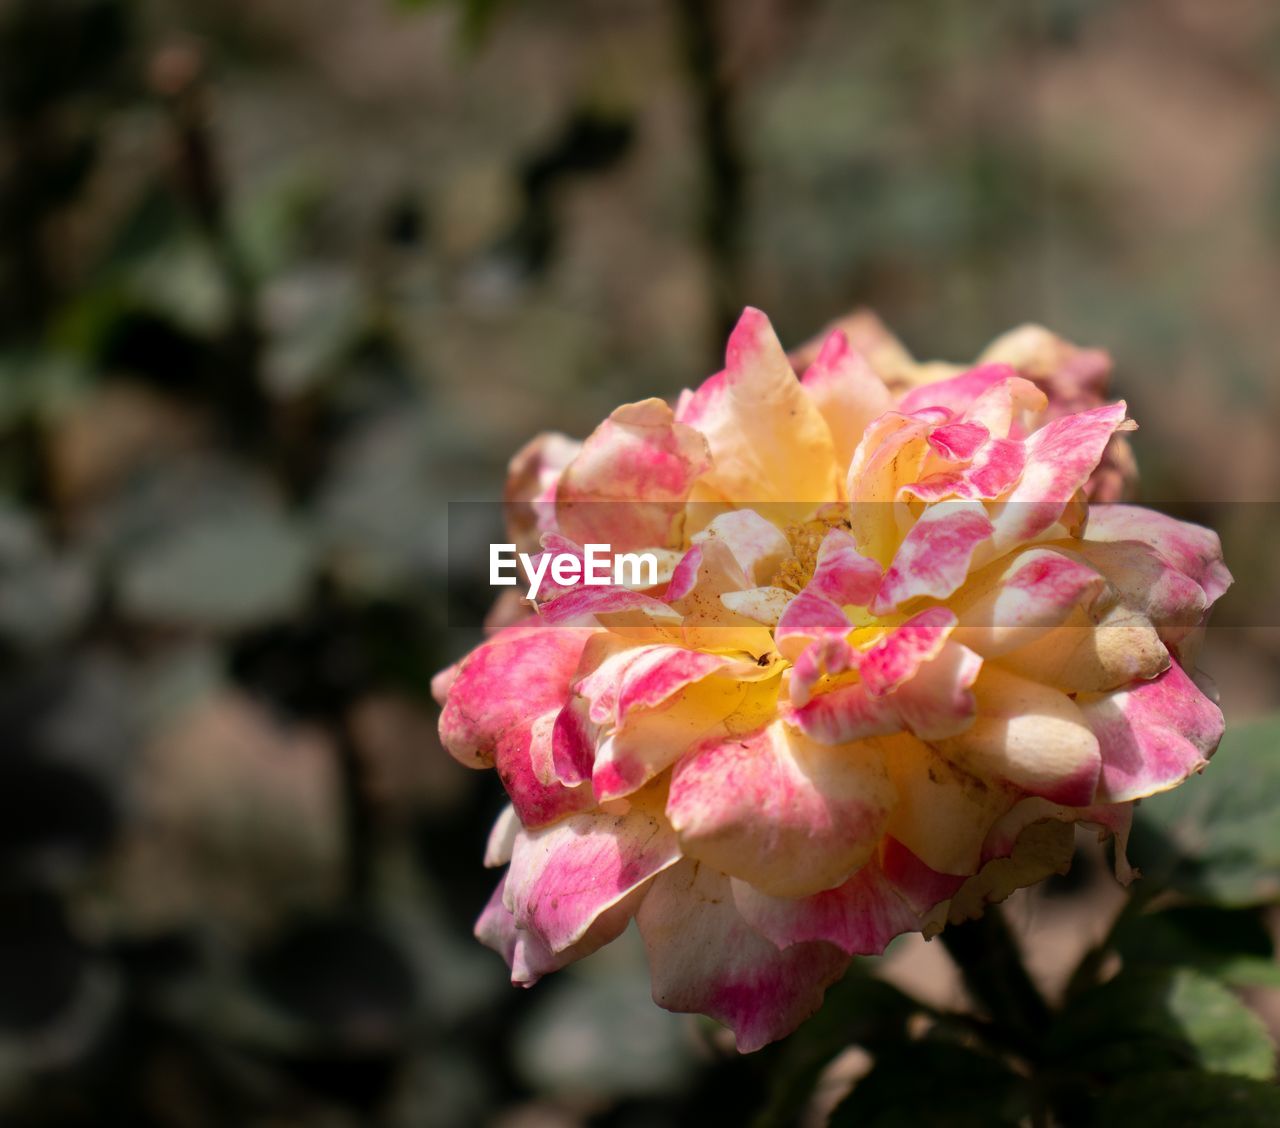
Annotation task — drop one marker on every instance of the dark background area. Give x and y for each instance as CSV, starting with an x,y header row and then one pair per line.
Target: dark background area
x,y
281,279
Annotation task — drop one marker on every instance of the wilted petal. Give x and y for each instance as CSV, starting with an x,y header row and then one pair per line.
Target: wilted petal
x,y
705,958
1042,849
1093,651
1148,585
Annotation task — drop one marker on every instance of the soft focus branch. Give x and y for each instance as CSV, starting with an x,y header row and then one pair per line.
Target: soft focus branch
x,y
723,201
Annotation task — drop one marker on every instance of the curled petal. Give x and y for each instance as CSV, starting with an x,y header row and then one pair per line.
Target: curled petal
x,y
1195,551
562,878
933,559
898,656
957,393
502,836
841,573
933,704
650,740
503,685
705,958
757,545
629,483
1095,650
807,618
1146,584
827,656
1007,408
523,760
1019,599
1042,849
1060,458
527,954
1152,735
958,442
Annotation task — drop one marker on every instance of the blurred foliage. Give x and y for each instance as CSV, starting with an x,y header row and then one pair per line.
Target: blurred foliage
x,y
279,280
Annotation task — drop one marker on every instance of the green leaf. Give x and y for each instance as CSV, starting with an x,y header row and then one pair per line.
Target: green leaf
x,y
938,1083
219,571
1149,1019
1189,1100
1216,838
1230,944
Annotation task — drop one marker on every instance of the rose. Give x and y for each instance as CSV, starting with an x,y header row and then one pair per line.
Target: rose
x,y
894,657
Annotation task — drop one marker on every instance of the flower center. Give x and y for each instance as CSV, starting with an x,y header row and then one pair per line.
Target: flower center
x,y
805,538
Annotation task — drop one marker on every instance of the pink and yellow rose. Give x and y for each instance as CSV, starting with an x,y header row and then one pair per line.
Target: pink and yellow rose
x,y
893,656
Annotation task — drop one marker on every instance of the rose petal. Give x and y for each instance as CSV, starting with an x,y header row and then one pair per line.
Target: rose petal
x,y
631,479
935,703
859,917
788,815
564,877
1195,551
933,559
1019,599
1060,458
768,440
705,958
1030,735
1152,735
757,545
944,813
847,392
504,684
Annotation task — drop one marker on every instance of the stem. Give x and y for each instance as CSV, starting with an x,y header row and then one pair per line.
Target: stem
x,y
723,164
991,964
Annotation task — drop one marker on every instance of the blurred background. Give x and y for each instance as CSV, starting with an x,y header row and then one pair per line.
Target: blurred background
x,y
279,279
